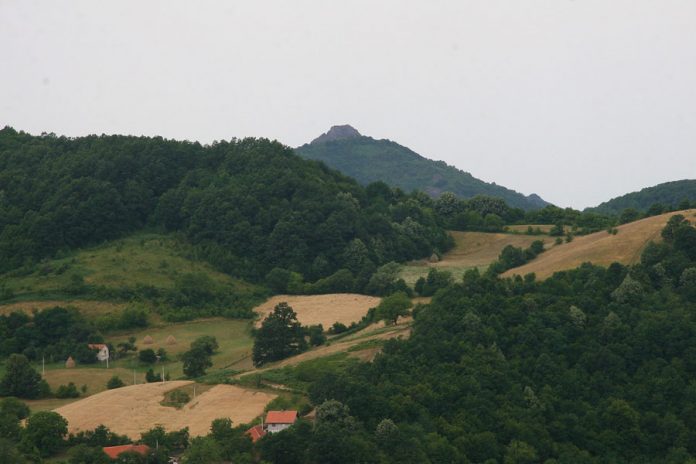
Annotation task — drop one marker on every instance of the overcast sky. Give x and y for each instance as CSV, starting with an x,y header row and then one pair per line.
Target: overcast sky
x,y
578,101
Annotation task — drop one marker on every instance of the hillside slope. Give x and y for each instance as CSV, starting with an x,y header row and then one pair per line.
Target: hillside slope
x,y
471,250
600,248
667,194
247,206
369,160
158,269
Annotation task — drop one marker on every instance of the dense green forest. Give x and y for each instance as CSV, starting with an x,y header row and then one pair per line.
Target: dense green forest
x,y
490,214
591,365
667,196
248,206
369,160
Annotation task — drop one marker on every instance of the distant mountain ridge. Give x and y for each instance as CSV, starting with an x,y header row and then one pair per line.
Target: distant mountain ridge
x,y
369,160
668,194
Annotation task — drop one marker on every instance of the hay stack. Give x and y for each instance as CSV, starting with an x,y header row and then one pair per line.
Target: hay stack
x,y
70,363
434,258
148,340
171,340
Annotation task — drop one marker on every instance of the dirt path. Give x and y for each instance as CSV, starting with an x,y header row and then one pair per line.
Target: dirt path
x,y
373,332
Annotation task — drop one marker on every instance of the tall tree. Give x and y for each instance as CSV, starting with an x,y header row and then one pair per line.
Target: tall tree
x,y
20,379
279,336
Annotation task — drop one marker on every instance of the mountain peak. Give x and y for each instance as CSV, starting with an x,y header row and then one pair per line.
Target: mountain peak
x,y
345,131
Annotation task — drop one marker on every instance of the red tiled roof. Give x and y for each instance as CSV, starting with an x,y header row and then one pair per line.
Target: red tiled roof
x,y
115,451
281,417
256,432
97,346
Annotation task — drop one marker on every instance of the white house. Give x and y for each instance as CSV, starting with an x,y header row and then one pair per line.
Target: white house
x,y
279,420
103,353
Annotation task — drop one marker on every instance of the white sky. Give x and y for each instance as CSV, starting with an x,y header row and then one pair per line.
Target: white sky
x,y
578,101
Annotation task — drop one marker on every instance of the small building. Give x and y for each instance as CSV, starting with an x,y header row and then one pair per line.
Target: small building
x,y
279,420
256,433
115,451
103,353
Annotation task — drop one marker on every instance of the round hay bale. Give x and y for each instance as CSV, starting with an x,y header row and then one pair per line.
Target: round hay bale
x,y
70,363
148,340
171,340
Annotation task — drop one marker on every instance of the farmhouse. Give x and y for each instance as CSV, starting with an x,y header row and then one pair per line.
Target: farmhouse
x,y
103,353
279,420
115,451
256,432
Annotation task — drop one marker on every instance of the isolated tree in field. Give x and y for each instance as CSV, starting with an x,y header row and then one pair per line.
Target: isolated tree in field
x,y
280,336
206,342
46,430
147,356
196,361
392,307
20,379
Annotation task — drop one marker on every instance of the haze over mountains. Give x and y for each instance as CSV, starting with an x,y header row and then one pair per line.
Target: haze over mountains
x,y
370,160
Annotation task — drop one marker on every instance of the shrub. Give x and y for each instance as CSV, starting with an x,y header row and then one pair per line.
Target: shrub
x,y
147,356
67,391
114,382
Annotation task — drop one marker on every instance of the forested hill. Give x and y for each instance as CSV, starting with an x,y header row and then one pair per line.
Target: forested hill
x,y
246,205
669,196
369,160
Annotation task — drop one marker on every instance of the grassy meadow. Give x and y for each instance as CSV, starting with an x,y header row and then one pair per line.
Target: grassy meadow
x,y
143,259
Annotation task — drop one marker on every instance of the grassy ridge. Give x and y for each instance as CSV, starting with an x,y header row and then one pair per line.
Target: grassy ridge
x,y
158,269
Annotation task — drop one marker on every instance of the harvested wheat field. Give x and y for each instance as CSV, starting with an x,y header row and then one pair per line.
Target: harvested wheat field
x,y
135,409
600,248
471,250
474,249
322,309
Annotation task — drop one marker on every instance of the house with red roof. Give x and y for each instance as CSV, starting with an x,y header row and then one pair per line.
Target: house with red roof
x,y
275,421
279,420
103,353
256,432
115,451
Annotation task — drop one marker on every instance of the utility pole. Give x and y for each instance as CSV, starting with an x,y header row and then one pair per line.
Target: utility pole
x,y
43,366
134,377
162,374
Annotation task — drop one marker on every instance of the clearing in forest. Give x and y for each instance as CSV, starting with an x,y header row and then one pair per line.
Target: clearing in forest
x,y
471,250
601,248
322,309
136,409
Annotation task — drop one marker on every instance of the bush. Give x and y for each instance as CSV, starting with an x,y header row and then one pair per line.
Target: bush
x,y
114,382
316,335
147,356
14,407
151,377
338,328
67,391
176,398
